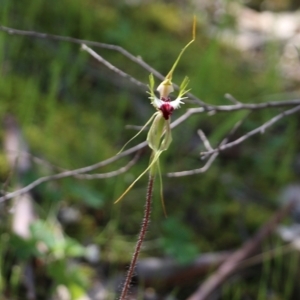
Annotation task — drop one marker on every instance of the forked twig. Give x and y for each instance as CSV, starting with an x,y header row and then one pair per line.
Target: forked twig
x,y
260,129
205,140
70,173
209,148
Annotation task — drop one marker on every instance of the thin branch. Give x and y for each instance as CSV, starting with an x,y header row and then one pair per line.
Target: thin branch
x,y
71,172
40,35
125,75
112,67
236,107
110,174
256,106
212,157
260,129
232,99
138,60
204,139
195,171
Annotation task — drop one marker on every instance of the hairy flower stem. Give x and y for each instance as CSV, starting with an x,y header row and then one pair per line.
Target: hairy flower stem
x,y
142,234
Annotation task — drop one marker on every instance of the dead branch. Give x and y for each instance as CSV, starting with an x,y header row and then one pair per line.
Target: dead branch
x,y
71,172
232,264
260,129
112,67
209,148
110,174
40,35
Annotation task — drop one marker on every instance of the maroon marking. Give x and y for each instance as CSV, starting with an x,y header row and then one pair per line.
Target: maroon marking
x,y
168,99
166,109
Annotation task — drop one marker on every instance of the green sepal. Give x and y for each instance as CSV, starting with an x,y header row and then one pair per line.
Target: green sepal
x,y
154,160
147,123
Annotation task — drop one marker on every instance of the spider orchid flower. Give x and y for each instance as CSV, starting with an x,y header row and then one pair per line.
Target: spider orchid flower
x,y
159,136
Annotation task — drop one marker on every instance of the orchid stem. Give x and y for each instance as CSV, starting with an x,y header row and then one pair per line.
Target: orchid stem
x,y
142,234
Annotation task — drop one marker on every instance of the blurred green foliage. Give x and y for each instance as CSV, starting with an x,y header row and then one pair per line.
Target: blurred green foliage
x,y
73,112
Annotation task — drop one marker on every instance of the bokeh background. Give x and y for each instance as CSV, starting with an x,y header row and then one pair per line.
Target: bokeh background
x,y
68,240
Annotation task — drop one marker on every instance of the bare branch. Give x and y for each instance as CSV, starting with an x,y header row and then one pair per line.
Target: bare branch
x,y
138,60
260,129
235,107
112,67
232,99
256,106
110,174
195,171
71,173
211,158
204,139
40,35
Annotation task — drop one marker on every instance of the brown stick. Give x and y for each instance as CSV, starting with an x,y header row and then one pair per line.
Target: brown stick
x,y
232,264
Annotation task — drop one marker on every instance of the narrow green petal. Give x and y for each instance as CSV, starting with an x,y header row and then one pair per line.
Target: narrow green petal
x,y
155,158
161,188
151,87
151,82
149,121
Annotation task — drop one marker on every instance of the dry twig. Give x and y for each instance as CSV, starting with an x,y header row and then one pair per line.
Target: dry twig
x,y
233,262
71,173
112,67
260,129
209,148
